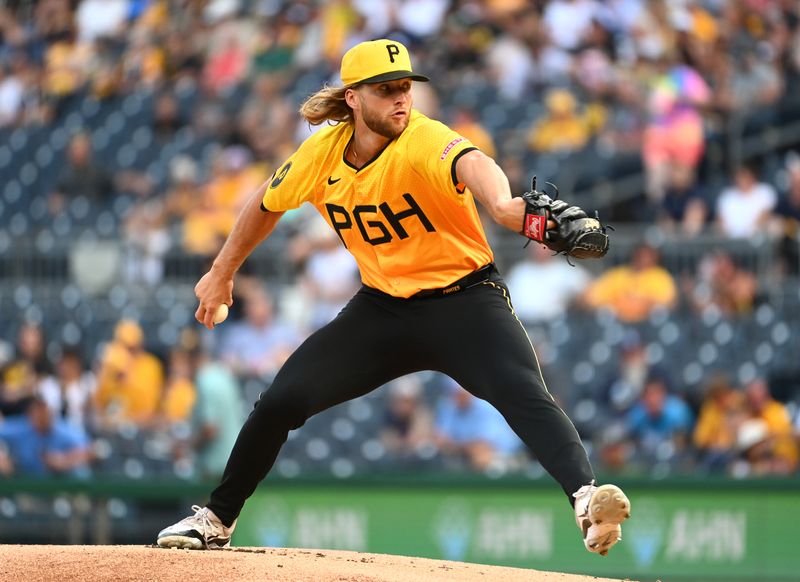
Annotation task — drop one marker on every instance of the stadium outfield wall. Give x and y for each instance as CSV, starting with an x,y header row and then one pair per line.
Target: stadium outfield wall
x,y
681,529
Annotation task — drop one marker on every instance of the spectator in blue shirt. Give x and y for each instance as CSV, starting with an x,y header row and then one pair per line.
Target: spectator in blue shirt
x,y
39,445
260,344
659,417
471,428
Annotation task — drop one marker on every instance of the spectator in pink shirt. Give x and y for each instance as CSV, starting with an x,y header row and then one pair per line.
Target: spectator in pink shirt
x,y
674,135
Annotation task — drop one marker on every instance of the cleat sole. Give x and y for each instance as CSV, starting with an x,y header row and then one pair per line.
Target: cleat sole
x,y
609,505
180,542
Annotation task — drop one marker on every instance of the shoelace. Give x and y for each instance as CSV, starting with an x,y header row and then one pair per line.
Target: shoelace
x,y
583,490
201,514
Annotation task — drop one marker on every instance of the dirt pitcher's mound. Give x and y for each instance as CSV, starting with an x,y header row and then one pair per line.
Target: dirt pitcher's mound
x,y
35,563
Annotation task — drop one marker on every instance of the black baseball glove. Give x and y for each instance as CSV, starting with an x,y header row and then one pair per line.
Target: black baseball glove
x,y
575,234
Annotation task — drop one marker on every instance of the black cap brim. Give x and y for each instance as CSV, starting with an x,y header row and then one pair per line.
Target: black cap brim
x,y
394,76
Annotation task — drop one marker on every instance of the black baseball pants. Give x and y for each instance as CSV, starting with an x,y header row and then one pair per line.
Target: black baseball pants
x,y
471,335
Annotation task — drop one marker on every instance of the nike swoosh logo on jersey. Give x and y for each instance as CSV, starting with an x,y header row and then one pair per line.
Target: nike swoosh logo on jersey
x,y
331,181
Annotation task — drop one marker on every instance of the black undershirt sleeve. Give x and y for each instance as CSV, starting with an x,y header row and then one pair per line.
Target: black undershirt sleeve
x,y
453,167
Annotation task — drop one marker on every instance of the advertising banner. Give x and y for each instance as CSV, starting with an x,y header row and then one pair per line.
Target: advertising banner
x,y
693,534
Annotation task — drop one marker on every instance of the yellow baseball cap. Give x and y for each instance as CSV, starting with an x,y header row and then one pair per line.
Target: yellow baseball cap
x,y
376,61
128,333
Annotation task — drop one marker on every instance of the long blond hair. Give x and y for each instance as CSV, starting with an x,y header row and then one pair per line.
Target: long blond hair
x,y
327,104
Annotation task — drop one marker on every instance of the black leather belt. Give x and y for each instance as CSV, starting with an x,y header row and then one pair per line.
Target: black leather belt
x,y
474,278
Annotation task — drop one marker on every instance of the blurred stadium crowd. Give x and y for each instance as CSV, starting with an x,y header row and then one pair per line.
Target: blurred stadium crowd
x,y
132,130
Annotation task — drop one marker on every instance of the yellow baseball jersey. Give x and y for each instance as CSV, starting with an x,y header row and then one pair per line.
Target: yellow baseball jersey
x,y
404,217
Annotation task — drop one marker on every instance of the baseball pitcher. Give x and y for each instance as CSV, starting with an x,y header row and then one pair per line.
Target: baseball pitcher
x,y
399,190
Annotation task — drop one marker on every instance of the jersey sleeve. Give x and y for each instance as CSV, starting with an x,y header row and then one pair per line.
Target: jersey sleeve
x,y
292,183
434,150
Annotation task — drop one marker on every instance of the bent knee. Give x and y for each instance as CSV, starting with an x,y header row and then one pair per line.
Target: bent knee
x,y
281,407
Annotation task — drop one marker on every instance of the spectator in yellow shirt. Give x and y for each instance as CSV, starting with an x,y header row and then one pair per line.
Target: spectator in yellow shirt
x,y
562,129
179,392
466,125
632,291
212,217
765,436
131,379
715,433
206,225
233,178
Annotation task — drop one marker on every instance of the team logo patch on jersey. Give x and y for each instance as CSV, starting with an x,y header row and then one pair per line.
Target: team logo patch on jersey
x,y
450,146
281,175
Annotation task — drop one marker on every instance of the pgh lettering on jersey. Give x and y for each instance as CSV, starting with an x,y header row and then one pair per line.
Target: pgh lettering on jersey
x,y
403,216
336,212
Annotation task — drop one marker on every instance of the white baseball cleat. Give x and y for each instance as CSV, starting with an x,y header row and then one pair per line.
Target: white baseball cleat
x,y
599,511
201,531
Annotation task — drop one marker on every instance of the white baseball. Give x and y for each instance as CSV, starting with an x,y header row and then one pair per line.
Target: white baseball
x,y
221,314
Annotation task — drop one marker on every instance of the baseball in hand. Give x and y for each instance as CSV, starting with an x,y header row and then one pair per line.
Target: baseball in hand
x,y
221,314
